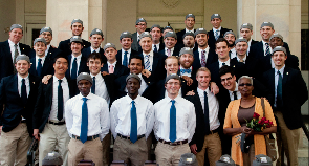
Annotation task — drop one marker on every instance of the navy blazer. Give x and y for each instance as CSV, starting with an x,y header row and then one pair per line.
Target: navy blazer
x,y
82,66
119,55
257,50
119,69
294,95
47,68
212,39
158,67
66,49
44,102
6,60
252,67
212,57
14,109
87,52
135,44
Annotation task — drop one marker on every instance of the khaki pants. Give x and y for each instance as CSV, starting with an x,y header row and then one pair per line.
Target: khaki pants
x,y
52,136
213,145
167,155
125,150
91,150
287,140
106,148
14,145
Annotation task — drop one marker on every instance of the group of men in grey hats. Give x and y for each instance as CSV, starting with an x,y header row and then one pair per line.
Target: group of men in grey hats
x,y
166,97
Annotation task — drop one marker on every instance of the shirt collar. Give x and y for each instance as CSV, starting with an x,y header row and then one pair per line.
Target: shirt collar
x,y
177,99
96,50
281,70
20,78
55,79
97,77
47,47
172,49
206,49
228,62
129,51
78,58
89,96
214,29
242,59
264,43
151,53
200,91
114,64
43,59
12,43
129,100
187,30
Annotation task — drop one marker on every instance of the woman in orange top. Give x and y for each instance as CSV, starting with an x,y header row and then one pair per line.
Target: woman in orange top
x,y
238,113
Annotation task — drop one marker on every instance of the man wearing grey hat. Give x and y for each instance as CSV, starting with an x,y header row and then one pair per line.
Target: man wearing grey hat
x,y
92,125
42,64
11,49
190,21
77,28
231,38
170,49
140,25
113,67
124,54
154,62
77,61
49,114
174,126
132,120
288,92
18,97
204,55
188,41
96,38
217,31
155,32
166,30
246,31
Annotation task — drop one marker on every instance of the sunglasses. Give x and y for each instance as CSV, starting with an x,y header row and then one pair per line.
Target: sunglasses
x,y
248,84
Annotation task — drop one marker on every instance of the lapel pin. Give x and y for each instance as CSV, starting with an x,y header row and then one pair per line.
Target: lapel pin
x,y
49,53
23,48
287,73
148,82
234,66
33,82
183,81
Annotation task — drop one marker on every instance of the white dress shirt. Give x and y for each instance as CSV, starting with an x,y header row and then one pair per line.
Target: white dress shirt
x,y
98,115
189,31
79,59
214,30
249,45
150,58
186,73
96,50
114,64
157,45
120,116
179,93
244,59
213,106
206,54
233,54
12,48
100,87
232,93
37,60
264,48
20,83
276,81
185,119
53,115
228,63
172,51
128,55
47,48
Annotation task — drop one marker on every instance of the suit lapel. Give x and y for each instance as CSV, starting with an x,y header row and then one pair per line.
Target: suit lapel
x,y
22,49
272,79
49,89
83,64
285,76
67,73
33,66
155,61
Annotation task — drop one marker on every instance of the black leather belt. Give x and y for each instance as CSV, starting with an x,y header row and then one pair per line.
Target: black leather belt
x,y
127,137
175,143
89,138
59,123
213,131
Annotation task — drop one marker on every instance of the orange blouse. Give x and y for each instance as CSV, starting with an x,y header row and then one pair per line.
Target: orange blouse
x,y
231,120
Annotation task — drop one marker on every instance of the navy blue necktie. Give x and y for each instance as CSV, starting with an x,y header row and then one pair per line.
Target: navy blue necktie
x,y
39,68
235,95
74,69
173,122
60,101
93,85
279,90
133,131
155,50
23,92
84,128
206,114
125,59
223,64
93,51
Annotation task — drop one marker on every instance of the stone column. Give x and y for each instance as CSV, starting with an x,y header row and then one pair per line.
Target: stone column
x,y
284,14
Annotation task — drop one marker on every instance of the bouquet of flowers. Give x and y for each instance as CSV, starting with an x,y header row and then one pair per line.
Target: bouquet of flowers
x,y
257,125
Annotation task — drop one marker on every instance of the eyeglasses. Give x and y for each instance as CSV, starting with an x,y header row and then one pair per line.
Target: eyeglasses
x,y
227,79
248,84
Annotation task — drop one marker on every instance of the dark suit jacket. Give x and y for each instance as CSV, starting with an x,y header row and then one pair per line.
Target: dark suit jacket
x,y
212,39
87,52
135,44
109,82
158,70
212,57
44,102
120,85
294,95
252,67
119,55
119,70
47,68
6,60
175,51
14,109
66,49
257,50
291,61
82,66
